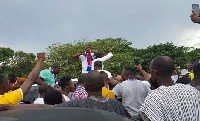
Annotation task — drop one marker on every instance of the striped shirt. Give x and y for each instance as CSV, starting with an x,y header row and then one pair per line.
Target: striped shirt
x,y
178,102
79,93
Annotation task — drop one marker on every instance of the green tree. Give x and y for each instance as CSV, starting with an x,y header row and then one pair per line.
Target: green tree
x,y
62,54
178,54
22,63
5,57
194,54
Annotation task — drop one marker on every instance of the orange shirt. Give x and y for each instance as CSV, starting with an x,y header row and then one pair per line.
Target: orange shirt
x,y
15,85
22,80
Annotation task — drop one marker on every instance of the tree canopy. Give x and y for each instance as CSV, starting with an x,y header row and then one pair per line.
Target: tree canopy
x,y
21,63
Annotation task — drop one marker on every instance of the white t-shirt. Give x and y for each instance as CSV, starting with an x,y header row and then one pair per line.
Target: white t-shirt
x,y
66,98
178,102
39,101
133,94
146,83
84,62
104,58
174,78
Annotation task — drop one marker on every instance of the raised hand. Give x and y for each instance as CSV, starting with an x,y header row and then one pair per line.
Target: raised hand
x,y
139,67
41,56
195,17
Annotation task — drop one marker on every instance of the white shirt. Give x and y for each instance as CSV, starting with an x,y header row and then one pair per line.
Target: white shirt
x,y
174,78
104,58
39,101
133,93
84,62
146,83
66,98
178,102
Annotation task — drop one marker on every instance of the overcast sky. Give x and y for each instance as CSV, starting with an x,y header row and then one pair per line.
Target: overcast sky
x,y
33,25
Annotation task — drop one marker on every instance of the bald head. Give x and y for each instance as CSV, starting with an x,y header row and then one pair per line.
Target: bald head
x,y
163,64
94,81
56,68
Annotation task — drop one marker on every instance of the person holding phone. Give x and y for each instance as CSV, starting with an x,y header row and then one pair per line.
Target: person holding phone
x,y
195,13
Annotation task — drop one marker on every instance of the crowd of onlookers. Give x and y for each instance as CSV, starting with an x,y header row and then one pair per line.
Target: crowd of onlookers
x,y
165,93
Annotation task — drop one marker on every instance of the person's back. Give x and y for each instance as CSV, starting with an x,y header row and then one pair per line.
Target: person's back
x,y
80,91
133,94
92,102
176,103
169,102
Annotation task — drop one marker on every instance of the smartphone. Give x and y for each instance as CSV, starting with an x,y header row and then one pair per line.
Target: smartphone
x,y
136,62
196,8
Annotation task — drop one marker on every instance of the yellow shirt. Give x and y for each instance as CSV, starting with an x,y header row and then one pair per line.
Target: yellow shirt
x,y
108,93
192,75
13,97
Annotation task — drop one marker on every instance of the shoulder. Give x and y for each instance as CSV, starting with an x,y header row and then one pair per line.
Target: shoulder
x,y
115,103
81,57
146,83
45,71
187,88
74,103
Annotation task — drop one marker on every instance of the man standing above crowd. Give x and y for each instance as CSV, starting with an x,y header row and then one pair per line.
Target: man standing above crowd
x,y
133,92
169,102
86,58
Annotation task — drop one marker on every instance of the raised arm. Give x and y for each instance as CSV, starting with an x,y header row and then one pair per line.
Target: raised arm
x,y
144,73
112,82
77,55
105,58
33,75
40,81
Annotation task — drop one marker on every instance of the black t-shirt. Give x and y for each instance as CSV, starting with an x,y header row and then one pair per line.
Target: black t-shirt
x,y
183,81
110,105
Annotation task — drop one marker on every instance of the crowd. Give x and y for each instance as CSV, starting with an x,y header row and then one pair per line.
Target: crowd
x,y
166,93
